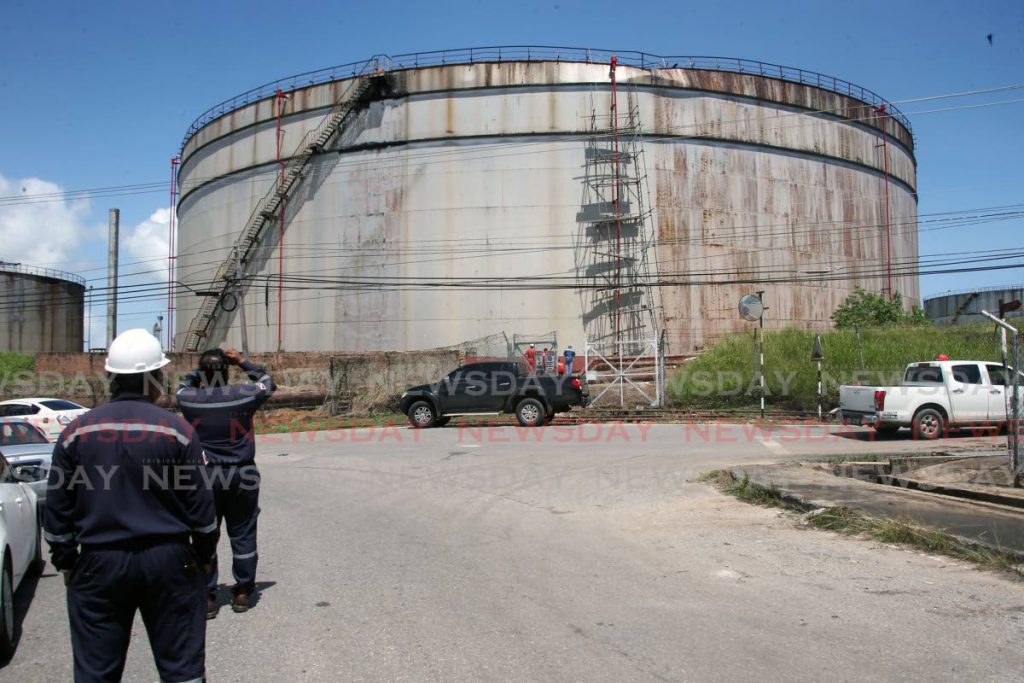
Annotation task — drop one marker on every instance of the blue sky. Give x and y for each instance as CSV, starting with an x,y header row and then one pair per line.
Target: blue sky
x,y
99,94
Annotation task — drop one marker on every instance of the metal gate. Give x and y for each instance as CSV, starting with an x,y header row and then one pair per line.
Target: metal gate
x,y
629,370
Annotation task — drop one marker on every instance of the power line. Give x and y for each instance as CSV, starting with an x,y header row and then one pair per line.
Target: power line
x,y
942,217
161,186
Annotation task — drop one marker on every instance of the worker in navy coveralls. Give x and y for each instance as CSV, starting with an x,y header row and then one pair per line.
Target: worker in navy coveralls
x,y
131,523
222,415
570,357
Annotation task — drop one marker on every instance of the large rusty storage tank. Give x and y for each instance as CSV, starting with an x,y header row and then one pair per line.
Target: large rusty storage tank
x,y
471,192
964,307
41,310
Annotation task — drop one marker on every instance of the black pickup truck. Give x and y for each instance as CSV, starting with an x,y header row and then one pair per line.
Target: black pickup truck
x,y
489,389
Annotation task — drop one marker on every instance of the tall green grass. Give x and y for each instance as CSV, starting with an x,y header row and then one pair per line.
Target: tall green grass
x,y
11,363
724,377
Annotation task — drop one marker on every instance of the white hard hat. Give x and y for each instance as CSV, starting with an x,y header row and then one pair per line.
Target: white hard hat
x,y
135,351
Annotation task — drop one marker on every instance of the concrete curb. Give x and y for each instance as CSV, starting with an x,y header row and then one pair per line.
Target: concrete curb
x,y
994,497
978,523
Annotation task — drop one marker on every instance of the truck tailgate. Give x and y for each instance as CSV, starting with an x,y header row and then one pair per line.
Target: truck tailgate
x,y
857,399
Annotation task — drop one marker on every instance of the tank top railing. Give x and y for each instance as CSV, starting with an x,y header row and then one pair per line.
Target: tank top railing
x,y
41,272
535,53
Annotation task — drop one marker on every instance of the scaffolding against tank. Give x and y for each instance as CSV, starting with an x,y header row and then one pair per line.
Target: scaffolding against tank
x,y
613,256
614,242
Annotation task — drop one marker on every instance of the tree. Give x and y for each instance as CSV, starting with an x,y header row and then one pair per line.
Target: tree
x,y
867,309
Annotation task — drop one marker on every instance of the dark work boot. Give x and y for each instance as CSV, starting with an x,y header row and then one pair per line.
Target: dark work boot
x,y
240,600
212,607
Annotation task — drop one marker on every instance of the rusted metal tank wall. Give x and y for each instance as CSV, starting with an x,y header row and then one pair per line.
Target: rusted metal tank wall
x,y
40,314
476,171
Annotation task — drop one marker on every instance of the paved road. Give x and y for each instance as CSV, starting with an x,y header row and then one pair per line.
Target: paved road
x,y
584,553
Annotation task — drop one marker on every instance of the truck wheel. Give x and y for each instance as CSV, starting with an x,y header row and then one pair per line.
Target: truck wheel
x,y
929,424
421,415
530,412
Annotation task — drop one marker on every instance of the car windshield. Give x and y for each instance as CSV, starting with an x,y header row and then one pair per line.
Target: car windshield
x,y
60,404
19,434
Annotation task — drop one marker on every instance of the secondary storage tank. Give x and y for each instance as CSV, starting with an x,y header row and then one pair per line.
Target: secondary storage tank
x,y
41,310
965,307
467,193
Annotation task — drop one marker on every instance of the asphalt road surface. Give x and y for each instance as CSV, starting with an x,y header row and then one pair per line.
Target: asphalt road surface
x,y
584,553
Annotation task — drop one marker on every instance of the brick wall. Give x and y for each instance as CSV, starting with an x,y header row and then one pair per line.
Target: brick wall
x,y
81,377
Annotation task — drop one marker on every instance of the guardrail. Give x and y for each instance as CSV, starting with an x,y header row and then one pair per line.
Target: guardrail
x,y
543,53
42,272
975,290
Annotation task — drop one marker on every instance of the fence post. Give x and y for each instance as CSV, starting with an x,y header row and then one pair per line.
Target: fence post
x,y
1014,423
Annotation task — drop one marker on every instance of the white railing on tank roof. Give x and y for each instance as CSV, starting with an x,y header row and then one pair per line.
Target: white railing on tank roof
x,y
975,290
42,272
545,53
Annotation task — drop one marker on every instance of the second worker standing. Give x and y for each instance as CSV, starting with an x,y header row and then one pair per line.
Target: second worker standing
x,y
222,416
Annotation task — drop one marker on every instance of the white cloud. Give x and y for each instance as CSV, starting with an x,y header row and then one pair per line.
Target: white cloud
x,y
35,230
147,244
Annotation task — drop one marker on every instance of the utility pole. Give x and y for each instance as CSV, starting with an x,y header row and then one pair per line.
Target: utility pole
x,y
88,329
171,249
1014,427
241,313
236,291
114,225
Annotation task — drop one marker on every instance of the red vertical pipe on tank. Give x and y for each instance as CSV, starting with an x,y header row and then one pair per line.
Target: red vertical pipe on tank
x,y
888,229
618,208
280,224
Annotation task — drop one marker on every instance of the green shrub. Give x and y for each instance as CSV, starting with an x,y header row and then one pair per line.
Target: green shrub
x,y
11,362
867,309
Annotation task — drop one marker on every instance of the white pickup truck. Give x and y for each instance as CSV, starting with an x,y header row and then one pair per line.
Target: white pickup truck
x,y
934,397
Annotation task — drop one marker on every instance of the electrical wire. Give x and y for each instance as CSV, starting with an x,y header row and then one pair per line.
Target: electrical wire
x,y
162,186
733,234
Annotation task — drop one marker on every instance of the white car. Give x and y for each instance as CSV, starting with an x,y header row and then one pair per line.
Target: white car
x,y
21,547
28,452
51,415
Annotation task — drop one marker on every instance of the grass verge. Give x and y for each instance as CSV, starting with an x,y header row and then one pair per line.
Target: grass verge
x,y
289,420
12,362
843,520
744,489
723,376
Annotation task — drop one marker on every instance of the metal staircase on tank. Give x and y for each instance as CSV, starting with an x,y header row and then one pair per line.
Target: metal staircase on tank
x,y
268,208
964,303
